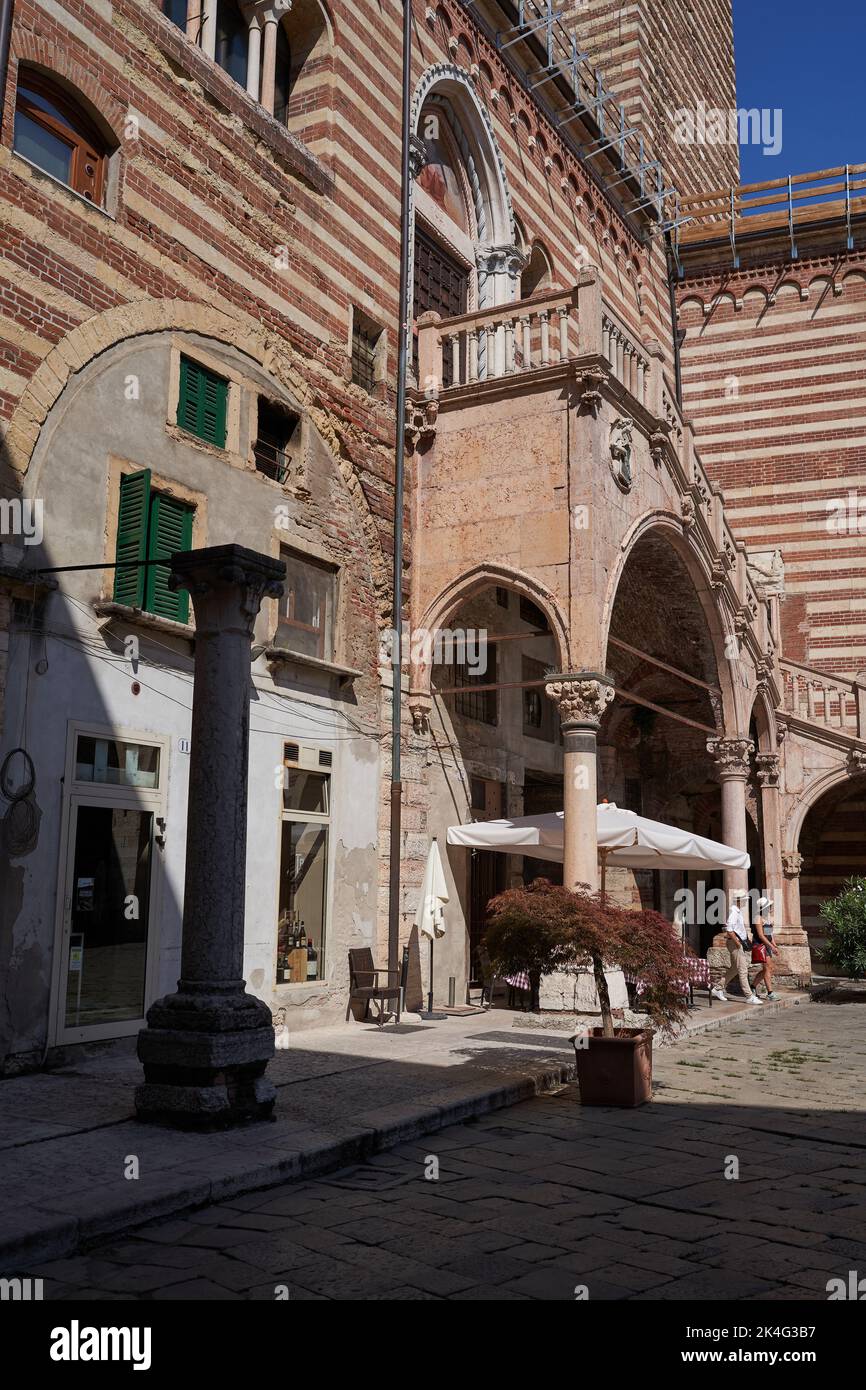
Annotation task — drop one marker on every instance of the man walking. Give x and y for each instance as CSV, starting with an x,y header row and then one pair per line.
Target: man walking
x,y
737,942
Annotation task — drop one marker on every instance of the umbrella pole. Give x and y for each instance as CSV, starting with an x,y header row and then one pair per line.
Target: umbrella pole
x,y
430,991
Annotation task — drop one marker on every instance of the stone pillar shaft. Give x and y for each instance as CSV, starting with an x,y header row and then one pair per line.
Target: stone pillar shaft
x,y
206,1047
732,760
269,64
582,698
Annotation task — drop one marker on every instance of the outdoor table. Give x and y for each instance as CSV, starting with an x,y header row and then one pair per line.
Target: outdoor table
x,y
697,972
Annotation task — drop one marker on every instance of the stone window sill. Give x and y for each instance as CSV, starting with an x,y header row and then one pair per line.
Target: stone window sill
x,y
291,152
140,618
283,656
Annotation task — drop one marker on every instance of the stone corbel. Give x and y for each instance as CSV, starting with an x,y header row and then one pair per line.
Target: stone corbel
x,y
589,386
420,708
688,509
658,442
768,769
857,761
421,418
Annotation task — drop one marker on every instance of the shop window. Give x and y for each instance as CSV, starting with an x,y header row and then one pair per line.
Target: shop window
x,y
202,402
301,926
538,711
114,763
52,132
367,343
150,526
306,621
471,702
276,430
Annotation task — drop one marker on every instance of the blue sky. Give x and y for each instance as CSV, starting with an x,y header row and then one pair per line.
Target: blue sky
x,y
809,59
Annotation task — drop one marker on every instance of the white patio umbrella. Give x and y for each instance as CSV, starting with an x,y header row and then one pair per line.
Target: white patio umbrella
x,y
430,912
624,838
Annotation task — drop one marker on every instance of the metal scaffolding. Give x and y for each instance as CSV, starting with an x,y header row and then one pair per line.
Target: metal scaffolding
x,y
591,100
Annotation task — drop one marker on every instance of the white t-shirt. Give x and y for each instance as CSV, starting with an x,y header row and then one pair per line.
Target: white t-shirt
x,y
736,923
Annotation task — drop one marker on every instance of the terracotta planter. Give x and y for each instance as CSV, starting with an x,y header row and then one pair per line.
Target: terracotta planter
x,y
615,1071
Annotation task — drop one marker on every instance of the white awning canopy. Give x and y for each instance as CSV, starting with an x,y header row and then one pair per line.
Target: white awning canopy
x,y
624,838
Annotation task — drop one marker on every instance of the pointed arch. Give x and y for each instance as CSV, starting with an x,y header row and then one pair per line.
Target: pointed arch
x,y
465,586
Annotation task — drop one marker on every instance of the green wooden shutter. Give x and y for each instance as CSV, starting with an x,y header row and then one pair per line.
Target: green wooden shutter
x,y
132,518
170,531
202,402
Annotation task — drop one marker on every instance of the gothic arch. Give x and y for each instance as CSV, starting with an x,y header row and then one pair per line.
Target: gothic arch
x,y
452,87
669,526
809,798
484,576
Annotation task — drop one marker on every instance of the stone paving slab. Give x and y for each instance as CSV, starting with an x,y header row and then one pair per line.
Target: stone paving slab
x,y
344,1095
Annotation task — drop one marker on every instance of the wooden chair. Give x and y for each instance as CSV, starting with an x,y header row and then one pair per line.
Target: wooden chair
x,y
364,983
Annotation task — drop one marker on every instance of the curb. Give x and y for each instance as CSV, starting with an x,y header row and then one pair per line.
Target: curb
x,y
711,1025
44,1235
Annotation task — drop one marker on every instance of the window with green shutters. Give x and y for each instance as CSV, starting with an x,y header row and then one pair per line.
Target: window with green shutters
x,y
202,402
150,526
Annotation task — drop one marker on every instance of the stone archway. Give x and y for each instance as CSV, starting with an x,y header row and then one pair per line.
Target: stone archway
x,y
831,846
124,322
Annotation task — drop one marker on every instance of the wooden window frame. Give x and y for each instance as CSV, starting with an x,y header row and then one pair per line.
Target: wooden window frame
x,y
81,134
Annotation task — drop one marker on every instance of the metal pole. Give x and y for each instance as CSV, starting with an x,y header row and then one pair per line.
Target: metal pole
x,y
430,990
397,651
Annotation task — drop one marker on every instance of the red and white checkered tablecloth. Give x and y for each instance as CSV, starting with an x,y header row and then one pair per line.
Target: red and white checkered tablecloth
x,y
697,972
518,981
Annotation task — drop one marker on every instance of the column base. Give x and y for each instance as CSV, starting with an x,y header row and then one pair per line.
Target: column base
x,y
205,1052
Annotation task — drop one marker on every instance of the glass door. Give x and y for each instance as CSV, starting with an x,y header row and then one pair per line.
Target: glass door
x,y
106,927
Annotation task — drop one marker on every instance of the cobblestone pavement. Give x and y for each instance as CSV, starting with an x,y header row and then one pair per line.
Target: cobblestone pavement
x,y
536,1200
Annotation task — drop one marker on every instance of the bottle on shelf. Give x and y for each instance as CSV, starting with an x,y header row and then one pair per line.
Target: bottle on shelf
x,y
312,961
302,938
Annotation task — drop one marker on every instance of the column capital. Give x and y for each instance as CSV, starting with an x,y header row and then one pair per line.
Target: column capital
x,y
768,769
490,259
266,11
731,756
792,863
226,584
581,696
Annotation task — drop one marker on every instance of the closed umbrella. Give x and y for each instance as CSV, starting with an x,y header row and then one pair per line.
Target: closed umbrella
x,y
430,913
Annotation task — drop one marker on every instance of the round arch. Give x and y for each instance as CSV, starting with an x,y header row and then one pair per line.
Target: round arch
x,y
809,798
95,336
448,601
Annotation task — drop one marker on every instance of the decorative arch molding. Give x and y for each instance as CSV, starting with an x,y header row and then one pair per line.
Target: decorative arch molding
x,y
458,87
810,797
96,335
31,51
764,716
464,587
670,526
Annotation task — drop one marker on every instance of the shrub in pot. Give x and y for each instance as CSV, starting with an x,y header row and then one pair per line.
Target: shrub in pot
x,y
547,927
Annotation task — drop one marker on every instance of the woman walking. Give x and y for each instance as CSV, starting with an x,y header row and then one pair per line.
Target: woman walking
x,y
763,949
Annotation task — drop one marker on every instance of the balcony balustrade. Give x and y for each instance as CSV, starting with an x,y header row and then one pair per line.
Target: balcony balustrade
x,y
832,701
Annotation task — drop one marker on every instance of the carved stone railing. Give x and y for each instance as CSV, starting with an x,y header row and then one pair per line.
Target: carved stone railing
x,y
832,701
626,355
508,340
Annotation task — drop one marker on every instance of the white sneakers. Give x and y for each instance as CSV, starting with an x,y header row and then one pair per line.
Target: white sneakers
x,y
755,1000
720,994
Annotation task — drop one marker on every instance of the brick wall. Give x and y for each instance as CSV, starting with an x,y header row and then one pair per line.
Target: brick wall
x,y
774,369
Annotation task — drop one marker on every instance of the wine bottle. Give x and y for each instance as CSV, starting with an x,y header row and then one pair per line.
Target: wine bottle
x,y
312,961
302,938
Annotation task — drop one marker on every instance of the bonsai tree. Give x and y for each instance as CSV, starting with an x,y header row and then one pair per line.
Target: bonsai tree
x,y
545,927
846,939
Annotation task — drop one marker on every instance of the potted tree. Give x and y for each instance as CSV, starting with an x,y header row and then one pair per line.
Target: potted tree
x,y
547,927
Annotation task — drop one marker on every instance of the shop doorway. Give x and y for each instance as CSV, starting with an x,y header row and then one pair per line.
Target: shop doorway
x,y
112,826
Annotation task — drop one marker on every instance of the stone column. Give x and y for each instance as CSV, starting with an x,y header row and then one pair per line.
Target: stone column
x,y
790,935
206,1047
254,57
582,698
269,61
731,756
201,25
768,783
